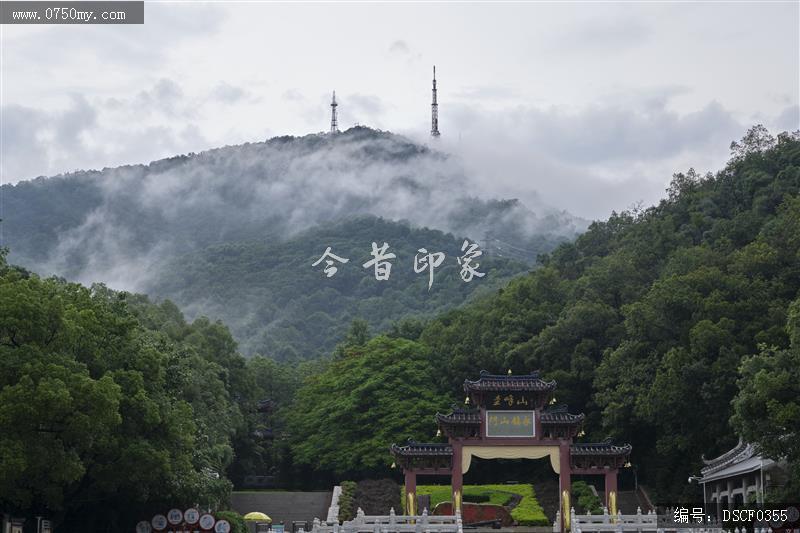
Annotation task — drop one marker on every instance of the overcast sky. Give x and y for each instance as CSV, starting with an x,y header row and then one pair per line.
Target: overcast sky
x,y
587,106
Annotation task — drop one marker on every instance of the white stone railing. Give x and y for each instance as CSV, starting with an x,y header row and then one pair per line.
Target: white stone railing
x,y
333,510
608,522
639,522
392,523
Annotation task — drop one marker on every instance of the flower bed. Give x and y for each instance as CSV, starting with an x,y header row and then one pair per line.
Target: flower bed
x,y
473,513
527,512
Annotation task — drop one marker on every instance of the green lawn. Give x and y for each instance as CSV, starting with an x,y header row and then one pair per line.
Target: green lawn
x,y
527,513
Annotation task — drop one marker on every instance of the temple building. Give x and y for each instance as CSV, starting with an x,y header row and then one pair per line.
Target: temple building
x,y
739,476
511,417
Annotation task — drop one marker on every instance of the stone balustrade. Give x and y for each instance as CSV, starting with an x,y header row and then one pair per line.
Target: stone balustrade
x,y
392,523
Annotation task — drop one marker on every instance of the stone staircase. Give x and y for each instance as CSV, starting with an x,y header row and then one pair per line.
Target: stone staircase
x,y
286,507
628,501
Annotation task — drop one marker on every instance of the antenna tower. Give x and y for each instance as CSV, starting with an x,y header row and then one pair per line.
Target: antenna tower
x,y
434,109
334,116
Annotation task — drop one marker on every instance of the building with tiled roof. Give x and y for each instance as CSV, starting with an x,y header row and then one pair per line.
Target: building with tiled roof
x,y
511,417
739,476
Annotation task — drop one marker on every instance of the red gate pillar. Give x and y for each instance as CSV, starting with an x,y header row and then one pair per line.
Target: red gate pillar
x,y
611,490
565,485
457,477
411,492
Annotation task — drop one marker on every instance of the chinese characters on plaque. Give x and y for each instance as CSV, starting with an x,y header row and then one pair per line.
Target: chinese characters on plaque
x,y
424,260
510,424
509,400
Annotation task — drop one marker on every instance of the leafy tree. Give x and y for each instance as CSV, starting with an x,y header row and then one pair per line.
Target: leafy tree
x,y
258,443
358,335
757,140
767,407
343,419
102,416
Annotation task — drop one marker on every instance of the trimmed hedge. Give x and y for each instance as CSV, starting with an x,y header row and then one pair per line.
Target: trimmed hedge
x,y
377,496
347,501
480,497
528,512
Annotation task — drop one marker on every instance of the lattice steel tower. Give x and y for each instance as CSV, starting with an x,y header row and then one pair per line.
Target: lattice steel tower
x,y
434,109
334,118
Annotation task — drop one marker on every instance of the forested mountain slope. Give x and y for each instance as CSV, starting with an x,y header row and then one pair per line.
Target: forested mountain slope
x,y
231,232
645,319
645,322
279,305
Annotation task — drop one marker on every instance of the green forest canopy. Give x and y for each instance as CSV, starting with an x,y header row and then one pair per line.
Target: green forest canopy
x,y
647,322
111,405
112,408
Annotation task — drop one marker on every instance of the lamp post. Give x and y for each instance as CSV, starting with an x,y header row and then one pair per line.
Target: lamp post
x,y
699,480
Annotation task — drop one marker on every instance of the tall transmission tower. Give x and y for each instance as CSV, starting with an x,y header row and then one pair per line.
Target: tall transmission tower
x,y
334,118
434,109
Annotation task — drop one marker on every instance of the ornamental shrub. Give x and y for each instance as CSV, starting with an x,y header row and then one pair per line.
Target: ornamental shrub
x,y
238,525
585,499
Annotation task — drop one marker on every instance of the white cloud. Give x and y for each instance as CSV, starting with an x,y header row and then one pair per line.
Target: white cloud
x,y
590,160
97,133
399,47
789,119
293,95
228,93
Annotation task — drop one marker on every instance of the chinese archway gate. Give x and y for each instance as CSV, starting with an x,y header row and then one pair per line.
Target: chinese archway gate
x,y
511,417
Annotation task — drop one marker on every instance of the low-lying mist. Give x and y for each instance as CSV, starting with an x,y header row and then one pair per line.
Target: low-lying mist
x,y
119,225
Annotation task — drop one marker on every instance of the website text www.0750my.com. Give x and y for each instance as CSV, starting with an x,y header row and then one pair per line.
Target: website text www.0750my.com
x,y
71,14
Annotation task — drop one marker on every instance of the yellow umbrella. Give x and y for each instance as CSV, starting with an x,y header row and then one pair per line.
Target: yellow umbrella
x,y
256,516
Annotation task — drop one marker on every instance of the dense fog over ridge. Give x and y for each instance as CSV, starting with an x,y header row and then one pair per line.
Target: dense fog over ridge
x,y
119,225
